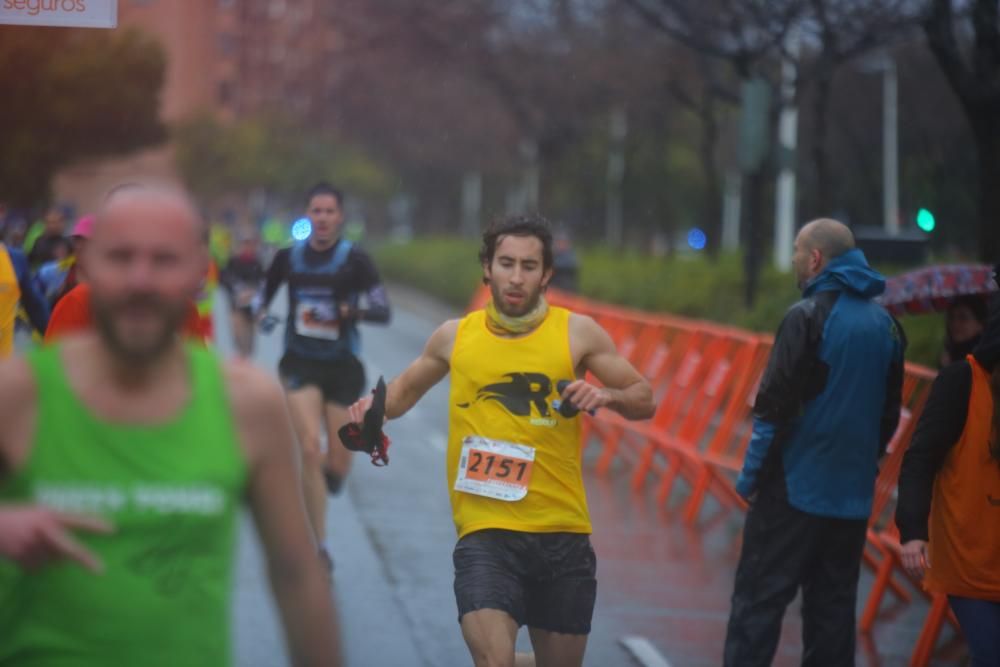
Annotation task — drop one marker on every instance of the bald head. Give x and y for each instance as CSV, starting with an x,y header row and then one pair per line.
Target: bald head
x,y
817,243
830,237
133,204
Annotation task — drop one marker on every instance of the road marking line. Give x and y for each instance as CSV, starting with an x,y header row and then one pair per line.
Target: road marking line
x,y
644,652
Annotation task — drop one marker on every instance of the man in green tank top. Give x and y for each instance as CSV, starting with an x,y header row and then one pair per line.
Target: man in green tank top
x,y
124,457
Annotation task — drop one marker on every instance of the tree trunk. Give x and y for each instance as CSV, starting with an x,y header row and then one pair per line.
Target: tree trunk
x,y
987,135
974,85
712,221
753,232
821,165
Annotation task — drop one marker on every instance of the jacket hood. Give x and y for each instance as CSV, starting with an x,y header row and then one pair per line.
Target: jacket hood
x,y
849,272
987,353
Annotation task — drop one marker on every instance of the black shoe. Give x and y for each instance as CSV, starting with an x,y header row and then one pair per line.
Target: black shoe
x,y
334,482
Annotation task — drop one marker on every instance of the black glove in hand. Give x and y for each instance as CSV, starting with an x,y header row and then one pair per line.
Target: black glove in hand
x,y
369,438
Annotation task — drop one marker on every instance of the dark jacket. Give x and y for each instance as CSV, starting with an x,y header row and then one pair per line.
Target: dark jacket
x,y
940,427
35,305
242,272
829,401
44,249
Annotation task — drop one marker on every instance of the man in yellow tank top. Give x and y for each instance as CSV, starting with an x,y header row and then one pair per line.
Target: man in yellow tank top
x,y
523,555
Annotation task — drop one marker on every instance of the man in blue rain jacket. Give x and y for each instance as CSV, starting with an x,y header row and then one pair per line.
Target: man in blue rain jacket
x,y
827,406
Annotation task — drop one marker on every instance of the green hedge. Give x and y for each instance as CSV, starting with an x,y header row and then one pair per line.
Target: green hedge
x,y
683,285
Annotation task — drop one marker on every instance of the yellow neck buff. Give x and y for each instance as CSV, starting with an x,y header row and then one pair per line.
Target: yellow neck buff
x,y
505,325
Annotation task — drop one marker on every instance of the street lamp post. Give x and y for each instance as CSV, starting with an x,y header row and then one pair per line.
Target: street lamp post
x,y
784,213
614,221
890,147
884,64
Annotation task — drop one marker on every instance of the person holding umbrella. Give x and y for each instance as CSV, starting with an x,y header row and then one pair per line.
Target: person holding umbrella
x,y
965,320
948,512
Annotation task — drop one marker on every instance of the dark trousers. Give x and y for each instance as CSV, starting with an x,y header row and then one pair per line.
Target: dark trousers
x,y
784,549
980,621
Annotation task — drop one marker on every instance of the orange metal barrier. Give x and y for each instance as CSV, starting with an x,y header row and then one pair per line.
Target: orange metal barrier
x,y
704,378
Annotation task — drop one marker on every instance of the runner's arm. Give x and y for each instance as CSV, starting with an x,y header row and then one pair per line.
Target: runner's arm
x,y
17,413
376,310
625,391
277,274
426,371
300,585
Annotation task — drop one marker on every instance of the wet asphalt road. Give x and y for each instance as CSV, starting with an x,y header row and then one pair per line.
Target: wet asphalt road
x,y
391,536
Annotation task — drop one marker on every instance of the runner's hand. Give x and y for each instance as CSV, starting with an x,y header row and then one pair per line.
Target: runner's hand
x,y
586,397
915,558
34,536
357,411
346,313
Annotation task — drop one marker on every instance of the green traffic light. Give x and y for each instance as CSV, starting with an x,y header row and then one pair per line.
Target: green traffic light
x,y
925,220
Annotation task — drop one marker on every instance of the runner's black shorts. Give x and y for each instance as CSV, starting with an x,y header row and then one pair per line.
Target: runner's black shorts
x,y
340,380
546,581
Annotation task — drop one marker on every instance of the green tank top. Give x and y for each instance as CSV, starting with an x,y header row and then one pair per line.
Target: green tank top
x,y
171,490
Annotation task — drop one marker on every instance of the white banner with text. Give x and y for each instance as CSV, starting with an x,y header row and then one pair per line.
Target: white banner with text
x,y
61,13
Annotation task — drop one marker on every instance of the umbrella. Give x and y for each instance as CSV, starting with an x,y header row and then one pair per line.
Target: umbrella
x,y
933,288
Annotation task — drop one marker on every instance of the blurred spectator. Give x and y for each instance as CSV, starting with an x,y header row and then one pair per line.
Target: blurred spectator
x,y
220,243
827,406
14,232
949,494
964,323
73,315
81,232
566,267
16,288
50,276
44,248
242,279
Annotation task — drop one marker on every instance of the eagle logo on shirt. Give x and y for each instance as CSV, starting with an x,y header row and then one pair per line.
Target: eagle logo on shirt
x,y
518,393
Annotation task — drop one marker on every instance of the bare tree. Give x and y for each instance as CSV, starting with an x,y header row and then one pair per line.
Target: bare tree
x,y
966,44
748,35
839,31
705,93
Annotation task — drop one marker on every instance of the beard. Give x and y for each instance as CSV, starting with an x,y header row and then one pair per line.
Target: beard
x,y
529,304
147,344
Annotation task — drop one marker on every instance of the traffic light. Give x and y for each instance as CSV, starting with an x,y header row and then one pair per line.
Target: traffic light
x,y
925,220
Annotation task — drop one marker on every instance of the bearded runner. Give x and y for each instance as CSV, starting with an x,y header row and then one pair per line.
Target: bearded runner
x,y
124,453
523,555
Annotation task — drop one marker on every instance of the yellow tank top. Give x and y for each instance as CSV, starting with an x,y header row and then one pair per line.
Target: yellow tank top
x,y
10,297
513,460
